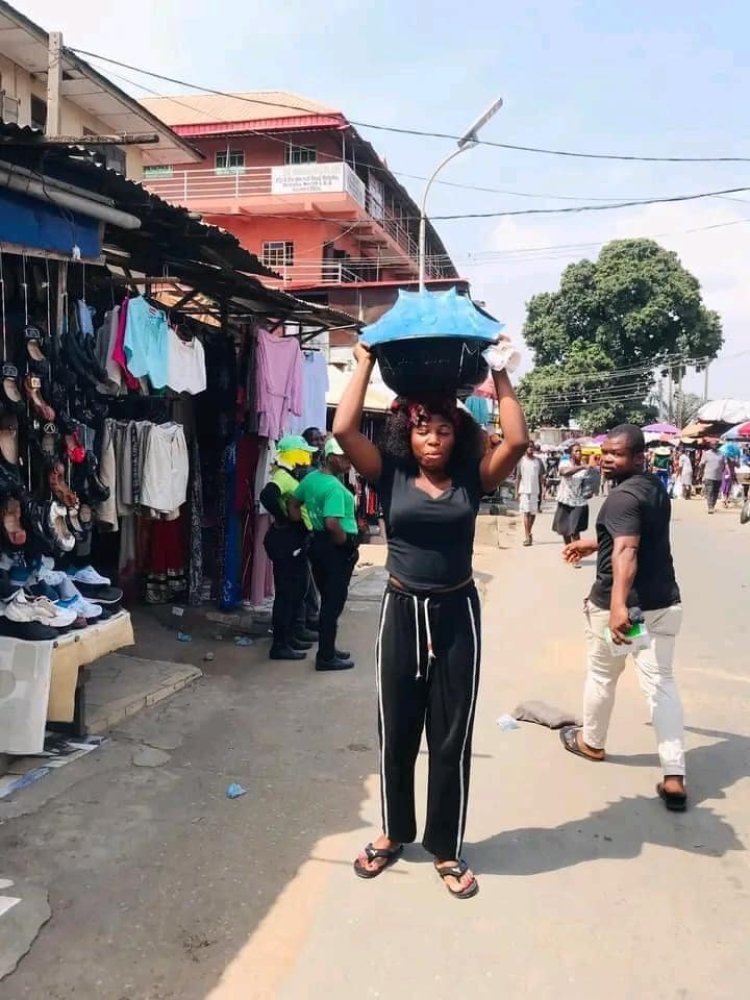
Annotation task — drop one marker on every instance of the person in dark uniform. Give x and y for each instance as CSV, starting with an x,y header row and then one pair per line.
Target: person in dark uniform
x,y
286,545
430,471
334,550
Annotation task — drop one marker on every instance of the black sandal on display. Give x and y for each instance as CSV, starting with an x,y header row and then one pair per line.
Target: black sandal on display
x,y
10,391
77,530
95,487
37,362
34,520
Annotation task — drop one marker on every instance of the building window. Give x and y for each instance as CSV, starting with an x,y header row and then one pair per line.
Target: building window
x,y
156,172
38,112
278,253
230,161
295,155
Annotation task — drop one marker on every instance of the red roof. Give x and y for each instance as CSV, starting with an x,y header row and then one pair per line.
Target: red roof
x,y
262,125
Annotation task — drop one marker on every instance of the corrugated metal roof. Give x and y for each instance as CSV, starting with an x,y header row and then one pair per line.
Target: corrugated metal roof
x,y
305,123
253,106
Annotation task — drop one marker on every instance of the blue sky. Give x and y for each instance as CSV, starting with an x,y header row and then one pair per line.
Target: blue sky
x,y
664,78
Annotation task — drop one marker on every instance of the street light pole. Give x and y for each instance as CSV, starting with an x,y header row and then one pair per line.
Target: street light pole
x,y
468,140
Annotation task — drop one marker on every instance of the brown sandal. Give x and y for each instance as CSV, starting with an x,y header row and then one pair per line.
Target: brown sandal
x,y
11,520
457,871
389,856
60,489
32,385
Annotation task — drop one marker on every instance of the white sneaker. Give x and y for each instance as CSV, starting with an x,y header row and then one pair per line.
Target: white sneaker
x,y
20,609
52,577
79,606
87,574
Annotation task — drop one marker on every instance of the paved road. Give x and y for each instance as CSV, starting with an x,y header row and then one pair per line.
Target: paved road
x,y
160,887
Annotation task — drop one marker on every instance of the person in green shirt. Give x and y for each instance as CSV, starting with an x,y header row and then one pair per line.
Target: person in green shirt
x,y
286,544
334,548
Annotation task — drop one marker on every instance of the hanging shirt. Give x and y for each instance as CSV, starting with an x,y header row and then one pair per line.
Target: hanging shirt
x,y
146,342
186,364
314,389
278,373
118,350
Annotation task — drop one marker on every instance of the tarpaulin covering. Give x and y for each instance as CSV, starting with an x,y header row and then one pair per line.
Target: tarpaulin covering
x,y
38,225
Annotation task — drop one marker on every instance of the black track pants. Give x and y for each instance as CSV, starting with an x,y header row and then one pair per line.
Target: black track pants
x,y
427,660
332,567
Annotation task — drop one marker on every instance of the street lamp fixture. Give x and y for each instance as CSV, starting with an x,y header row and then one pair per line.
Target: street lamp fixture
x,y
468,140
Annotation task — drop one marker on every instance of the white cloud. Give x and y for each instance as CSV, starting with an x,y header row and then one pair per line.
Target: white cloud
x,y
716,256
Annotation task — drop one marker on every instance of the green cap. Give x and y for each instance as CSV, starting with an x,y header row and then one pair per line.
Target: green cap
x,y
294,442
332,447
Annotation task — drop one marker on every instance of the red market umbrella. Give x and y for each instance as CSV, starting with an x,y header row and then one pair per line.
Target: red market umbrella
x,y
738,433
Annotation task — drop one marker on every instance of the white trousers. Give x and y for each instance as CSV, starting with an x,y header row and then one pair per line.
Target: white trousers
x,y
654,666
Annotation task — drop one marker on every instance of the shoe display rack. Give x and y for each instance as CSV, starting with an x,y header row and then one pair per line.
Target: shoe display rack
x,y
57,614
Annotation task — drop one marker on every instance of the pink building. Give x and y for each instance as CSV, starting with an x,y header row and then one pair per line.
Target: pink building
x,y
299,187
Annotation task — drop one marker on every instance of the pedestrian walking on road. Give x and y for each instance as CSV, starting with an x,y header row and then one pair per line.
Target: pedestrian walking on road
x,y
712,467
573,495
334,549
685,466
530,479
430,471
634,573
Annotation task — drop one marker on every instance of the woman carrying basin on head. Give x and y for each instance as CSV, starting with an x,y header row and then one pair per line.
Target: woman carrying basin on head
x,y
430,471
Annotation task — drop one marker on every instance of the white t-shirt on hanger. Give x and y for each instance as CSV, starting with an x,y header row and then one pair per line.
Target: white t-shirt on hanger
x,y
186,365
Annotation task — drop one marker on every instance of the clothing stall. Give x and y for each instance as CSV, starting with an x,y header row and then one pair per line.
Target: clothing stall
x,y
146,373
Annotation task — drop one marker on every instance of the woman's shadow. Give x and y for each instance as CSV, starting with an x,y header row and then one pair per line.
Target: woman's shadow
x,y
622,828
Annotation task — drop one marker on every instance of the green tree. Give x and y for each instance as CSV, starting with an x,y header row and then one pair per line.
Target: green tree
x,y
635,307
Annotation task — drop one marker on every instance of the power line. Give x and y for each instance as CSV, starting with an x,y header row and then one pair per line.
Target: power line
x,y
590,208
420,132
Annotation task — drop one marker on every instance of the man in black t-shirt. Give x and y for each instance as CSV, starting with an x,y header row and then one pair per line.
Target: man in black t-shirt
x,y
634,579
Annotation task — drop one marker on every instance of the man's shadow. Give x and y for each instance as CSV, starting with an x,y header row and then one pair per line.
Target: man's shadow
x,y
622,828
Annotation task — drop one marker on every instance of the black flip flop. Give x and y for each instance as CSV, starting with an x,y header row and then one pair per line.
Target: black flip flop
x,y
389,854
457,871
674,801
569,739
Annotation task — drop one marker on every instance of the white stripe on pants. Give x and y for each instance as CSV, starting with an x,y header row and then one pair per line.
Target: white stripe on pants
x,y
654,666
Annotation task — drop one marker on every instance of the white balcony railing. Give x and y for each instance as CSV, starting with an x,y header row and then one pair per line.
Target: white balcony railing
x,y
185,186
198,188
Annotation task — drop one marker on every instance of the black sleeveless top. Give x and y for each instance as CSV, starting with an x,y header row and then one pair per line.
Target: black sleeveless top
x,y
430,541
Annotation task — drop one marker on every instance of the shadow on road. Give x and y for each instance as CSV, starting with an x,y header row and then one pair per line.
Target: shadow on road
x,y
622,829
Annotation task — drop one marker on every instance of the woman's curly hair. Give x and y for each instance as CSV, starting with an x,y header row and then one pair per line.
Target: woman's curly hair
x,y
395,441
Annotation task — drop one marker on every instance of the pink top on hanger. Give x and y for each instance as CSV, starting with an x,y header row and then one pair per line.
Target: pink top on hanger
x,y
278,382
118,352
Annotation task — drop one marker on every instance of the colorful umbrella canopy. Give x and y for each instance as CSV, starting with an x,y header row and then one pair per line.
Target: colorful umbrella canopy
x,y
660,429
738,433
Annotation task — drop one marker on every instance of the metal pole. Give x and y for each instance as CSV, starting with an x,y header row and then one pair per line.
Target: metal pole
x,y
54,84
705,384
423,216
670,396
